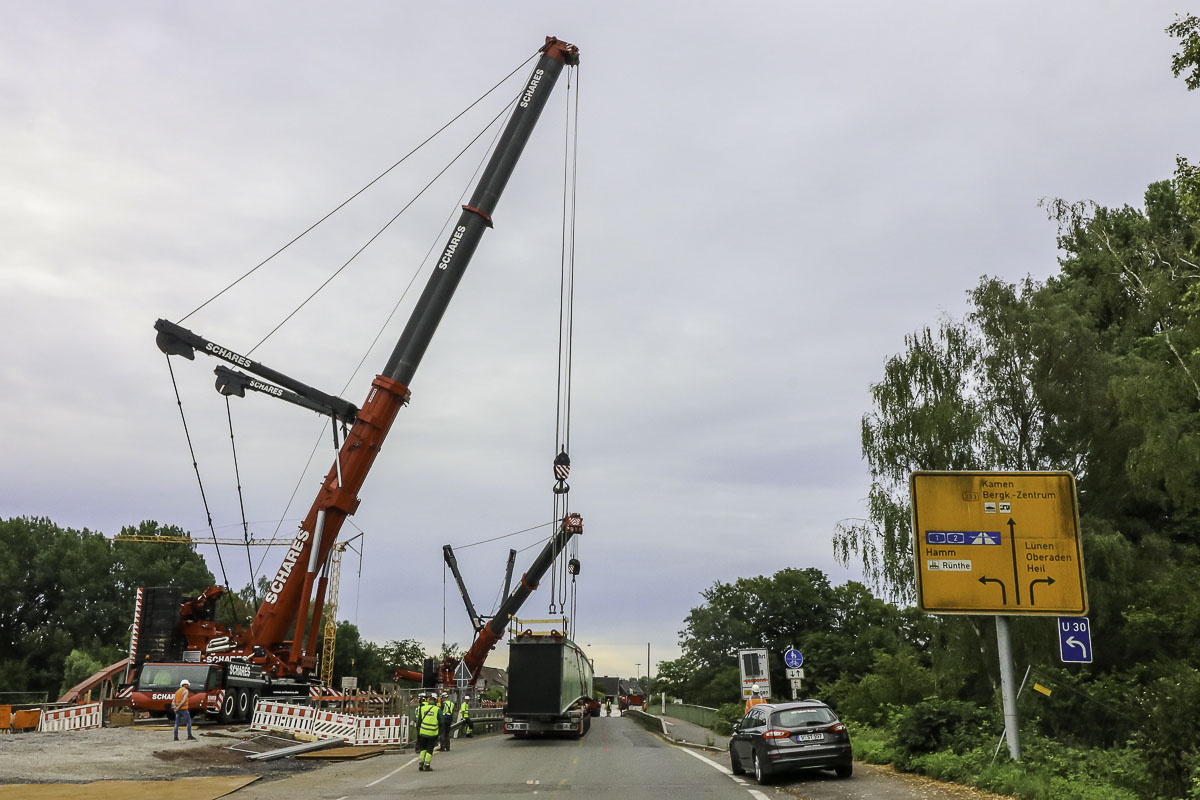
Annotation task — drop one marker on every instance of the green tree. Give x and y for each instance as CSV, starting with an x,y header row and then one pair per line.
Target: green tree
x,y
836,627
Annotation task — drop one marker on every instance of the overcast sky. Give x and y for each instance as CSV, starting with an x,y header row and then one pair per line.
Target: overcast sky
x,y
770,196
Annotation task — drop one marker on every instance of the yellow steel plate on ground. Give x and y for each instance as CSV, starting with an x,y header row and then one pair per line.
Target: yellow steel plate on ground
x,y
180,789
997,543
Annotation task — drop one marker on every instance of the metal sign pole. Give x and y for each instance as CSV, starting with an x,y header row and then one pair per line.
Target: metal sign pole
x,y
1008,688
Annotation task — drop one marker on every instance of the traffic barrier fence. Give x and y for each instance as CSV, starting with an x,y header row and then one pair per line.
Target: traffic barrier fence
x,y
74,718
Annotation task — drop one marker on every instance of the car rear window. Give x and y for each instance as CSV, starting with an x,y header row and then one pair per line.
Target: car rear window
x,y
799,717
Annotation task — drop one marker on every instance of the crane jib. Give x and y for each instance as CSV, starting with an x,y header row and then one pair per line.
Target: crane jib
x,y
337,496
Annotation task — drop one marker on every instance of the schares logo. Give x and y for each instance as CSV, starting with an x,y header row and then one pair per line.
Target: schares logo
x,y
533,84
285,569
450,248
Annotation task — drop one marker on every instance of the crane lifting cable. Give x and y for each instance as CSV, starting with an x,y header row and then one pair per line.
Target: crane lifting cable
x,y
567,560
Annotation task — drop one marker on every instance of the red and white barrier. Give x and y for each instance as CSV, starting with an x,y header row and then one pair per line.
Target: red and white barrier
x,y
272,716
75,718
381,730
332,725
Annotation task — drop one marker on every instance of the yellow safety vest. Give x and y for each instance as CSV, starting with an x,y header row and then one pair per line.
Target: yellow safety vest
x,y
463,710
428,716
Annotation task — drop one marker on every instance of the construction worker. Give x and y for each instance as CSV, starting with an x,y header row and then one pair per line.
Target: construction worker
x,y
445,721
608,706
464,715
179,703
756,697
427,731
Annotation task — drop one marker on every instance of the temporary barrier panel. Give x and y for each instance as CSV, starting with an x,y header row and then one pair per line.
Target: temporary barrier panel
x,y
381,730
76,718
332,725
272,716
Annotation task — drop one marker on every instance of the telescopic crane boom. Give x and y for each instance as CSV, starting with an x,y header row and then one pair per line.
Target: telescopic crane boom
x,y
275,639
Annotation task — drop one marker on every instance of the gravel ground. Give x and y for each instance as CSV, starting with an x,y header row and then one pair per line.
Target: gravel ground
x,y
875,782
132,753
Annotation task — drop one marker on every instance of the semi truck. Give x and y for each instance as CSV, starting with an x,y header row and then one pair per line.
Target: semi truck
x,y
549,686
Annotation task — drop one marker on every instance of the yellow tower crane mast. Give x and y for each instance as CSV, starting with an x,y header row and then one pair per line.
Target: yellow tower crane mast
x,y
331,603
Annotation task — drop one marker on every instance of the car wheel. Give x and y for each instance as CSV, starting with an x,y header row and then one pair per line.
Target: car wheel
x,y
762,773
735,764
844,770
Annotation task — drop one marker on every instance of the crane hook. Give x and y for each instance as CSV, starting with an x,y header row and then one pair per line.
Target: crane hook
x,y
562,468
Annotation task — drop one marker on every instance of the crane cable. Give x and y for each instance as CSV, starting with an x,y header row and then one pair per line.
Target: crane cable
x,y
241,503
559,589
371,183
428,253
196,466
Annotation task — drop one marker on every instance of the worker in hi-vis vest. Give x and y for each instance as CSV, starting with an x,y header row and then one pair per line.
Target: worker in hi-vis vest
x,y
756,697
445,721
179,704
427,731
465,716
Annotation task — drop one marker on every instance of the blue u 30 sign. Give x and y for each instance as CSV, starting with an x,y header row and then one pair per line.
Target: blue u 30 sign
x,y
1075,640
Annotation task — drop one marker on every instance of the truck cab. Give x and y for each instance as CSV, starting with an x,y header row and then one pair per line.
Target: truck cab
x,y
157,684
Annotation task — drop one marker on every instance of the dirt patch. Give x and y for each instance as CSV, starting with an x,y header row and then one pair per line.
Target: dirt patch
x,y
877,782
134,753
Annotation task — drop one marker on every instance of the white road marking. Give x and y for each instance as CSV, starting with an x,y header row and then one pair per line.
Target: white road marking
x,y
708,761
754,792
393,772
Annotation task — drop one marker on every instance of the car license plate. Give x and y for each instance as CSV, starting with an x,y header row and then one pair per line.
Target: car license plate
x,y
809,737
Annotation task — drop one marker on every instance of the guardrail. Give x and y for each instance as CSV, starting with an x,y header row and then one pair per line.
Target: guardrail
x,y
648,721
700,715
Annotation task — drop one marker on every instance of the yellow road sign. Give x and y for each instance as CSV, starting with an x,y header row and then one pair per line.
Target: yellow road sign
x,y
997,543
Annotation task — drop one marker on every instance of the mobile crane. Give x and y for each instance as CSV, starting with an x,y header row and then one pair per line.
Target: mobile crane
x,y
230,667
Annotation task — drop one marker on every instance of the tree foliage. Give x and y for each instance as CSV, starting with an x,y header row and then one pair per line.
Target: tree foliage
x,y
1095,371
64,590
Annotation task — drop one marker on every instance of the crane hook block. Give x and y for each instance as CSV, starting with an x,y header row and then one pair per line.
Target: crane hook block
x,y
562,468
573,566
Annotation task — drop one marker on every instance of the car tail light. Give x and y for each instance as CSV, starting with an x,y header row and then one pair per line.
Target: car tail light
x,y
776,733
838,728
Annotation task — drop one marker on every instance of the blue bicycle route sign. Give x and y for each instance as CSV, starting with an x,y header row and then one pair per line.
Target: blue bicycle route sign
x,y
793,658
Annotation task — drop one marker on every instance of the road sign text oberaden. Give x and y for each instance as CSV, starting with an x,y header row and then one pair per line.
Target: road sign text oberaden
x,y
973,558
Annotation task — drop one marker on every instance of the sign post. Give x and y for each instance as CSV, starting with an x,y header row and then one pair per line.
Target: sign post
x,y
999,543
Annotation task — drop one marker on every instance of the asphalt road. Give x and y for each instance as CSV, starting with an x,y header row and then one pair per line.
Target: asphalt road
x,y
616,759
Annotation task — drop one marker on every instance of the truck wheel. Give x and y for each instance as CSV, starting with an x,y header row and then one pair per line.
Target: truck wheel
x,y
253,704
228,707
243,705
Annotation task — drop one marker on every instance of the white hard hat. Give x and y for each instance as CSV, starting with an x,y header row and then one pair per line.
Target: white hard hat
x,y
184,682
758,688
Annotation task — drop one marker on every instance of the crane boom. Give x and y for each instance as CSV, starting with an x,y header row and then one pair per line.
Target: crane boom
x,y
493,631
285,605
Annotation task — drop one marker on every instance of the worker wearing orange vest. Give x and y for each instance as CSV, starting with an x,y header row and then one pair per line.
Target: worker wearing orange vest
x,y
756,697
179,704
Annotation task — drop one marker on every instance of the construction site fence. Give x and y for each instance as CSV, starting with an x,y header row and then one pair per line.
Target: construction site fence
x,y
312,719
700,715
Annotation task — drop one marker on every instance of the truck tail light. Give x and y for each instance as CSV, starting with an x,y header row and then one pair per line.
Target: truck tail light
x,y
776,733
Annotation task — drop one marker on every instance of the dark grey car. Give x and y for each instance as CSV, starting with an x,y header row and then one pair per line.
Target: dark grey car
x,y
777,737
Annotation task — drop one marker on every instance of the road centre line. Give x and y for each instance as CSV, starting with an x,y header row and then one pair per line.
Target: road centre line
x,y
393,772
